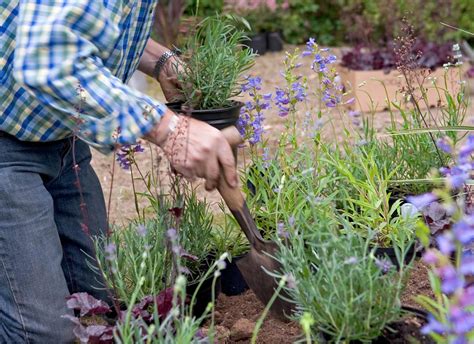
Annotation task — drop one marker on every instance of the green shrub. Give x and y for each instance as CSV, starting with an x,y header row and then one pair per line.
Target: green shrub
x,y
214,63
338,282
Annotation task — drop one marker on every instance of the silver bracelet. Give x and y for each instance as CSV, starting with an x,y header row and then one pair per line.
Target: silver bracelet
x,y
162,61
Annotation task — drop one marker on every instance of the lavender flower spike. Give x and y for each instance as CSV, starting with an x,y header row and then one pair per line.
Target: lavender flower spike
x,y
423,200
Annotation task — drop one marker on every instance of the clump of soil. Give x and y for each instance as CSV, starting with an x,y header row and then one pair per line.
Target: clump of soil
x,y
236,317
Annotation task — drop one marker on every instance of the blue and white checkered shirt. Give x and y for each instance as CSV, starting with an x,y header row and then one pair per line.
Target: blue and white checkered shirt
x,y
63,69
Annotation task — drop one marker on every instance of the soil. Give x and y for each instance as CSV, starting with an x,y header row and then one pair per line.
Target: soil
x,y
236,317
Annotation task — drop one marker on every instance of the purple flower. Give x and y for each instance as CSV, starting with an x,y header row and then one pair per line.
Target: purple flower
x,y
445,145
291,221
467,297
141,230
446,243
430,257
464,230
467,264
462,321
125,155
110,252
252,83
467,149
351,260
433,326
299,91
450,280
423,200
384,264
281,231
172,234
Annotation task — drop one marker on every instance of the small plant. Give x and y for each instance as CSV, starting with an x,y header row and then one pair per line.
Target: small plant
x,y
214,62
363,197
227,236
336,280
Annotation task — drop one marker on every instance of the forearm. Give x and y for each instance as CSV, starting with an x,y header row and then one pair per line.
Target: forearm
x,y
67,76
152,53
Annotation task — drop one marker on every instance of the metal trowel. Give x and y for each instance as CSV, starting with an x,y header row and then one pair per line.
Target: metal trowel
x,y
259,259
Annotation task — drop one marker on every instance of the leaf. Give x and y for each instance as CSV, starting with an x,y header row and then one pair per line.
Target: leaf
x,y
92,334
163,301
423,233
87,304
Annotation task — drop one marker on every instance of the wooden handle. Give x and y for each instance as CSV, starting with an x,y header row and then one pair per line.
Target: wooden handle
x,y
233,196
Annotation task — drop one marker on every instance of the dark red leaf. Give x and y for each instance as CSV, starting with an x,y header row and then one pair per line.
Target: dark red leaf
x,y
176,211
87,304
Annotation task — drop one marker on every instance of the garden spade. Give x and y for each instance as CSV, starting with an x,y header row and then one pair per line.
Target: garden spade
x,y
259,259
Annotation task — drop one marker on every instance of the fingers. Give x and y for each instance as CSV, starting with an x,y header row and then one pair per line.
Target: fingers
x,y
212,174
227,162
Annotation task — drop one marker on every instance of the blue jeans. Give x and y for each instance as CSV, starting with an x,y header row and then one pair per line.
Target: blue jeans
x,y
42,245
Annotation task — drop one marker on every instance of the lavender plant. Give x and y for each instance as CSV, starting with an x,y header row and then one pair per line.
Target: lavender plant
x,y
337,282
214,62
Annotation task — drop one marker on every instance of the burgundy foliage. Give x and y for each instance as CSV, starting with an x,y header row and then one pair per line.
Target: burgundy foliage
x,y
429,55
87,304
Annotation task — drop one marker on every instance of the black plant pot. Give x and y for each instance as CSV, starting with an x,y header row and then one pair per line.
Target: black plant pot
x,y
203,295
389,253
233,283
218,118
258,43
274,41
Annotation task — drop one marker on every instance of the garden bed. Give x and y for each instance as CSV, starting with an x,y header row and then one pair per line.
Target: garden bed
x,y
236,317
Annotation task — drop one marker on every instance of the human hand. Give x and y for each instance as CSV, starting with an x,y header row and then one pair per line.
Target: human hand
x,y
195,149
168,79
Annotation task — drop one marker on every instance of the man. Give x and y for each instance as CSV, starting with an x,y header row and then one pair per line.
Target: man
x,y
64,65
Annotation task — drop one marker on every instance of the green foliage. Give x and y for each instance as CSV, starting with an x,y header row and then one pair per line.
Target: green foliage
x,y
147,253
375,22
287,186
364,198
309,18
227,236
206,7
137,257
338,283
214,63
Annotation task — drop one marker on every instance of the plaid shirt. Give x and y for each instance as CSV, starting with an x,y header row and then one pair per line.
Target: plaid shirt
x,y
63,69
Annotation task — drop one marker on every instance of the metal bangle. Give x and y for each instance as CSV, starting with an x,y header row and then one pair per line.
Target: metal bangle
x,y
162,61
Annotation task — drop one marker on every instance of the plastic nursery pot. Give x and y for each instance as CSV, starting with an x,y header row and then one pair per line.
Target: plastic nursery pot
x,y
204,293
274,41
258,43
218,118
233,283
389,253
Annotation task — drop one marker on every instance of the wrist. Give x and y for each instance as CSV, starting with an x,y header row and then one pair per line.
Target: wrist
x,y
164,61
160,132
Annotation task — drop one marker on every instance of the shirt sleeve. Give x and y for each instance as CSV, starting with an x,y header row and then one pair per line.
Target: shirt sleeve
x,y
59,55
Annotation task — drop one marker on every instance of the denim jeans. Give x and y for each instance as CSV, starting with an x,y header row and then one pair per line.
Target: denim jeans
x,y
43,246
